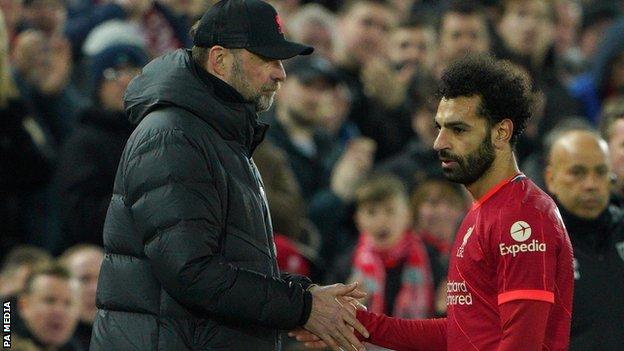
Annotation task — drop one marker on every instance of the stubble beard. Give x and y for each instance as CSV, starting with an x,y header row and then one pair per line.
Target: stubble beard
x,y
262,101
471,167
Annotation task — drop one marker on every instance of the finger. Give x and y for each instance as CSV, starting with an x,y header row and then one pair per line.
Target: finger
x,y
352,321
356,293
342,289
340,334
351,339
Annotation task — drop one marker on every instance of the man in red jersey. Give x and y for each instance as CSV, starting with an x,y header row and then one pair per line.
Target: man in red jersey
x,y
510,276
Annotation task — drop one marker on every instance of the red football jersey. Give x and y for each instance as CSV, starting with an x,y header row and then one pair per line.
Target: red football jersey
x,y
512,245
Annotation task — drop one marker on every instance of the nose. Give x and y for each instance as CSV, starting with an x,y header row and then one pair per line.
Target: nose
x,y
592,181
440,142
278,74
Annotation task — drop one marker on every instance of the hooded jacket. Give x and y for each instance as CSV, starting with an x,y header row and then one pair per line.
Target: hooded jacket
x,y
190,259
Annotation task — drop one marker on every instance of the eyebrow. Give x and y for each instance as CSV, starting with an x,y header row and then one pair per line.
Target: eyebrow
x,y
453,124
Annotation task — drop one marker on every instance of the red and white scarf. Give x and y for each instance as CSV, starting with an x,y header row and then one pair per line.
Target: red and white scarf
x,y
415,297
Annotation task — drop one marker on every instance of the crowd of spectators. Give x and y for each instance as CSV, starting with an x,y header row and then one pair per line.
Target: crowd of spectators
x,y
355,189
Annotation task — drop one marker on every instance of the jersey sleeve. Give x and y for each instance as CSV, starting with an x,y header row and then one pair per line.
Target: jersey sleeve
x,y
525,245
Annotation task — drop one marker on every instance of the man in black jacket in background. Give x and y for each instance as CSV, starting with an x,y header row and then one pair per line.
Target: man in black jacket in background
x,y
190,260
579,176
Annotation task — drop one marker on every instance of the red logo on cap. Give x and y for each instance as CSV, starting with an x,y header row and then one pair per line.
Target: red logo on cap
x,y
278,21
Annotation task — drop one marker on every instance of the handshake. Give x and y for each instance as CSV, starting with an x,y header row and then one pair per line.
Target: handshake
x,y
333,321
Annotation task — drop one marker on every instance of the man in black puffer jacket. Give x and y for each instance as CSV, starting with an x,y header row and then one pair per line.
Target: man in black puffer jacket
x,y
190,259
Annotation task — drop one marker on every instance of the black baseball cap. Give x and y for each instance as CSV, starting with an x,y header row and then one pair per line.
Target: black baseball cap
x,y
310,68
247,24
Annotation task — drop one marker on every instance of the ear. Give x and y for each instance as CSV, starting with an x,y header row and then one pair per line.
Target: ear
x,y
218,61
502,133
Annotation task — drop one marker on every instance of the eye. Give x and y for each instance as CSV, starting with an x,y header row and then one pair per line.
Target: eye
x,y
458,130
578,172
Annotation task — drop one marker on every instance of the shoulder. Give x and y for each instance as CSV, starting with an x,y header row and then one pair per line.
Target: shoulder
x,y
526,208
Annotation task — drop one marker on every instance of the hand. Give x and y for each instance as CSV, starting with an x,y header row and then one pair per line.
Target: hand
x,y
352,167
312,341
384,84
328,316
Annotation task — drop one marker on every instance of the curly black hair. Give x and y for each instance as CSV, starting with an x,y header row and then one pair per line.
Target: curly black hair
x,y
504,89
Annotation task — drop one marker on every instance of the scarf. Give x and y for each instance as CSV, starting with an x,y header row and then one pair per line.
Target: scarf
x,y
415,296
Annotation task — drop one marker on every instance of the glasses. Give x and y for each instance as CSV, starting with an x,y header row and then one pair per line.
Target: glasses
x,y
116,73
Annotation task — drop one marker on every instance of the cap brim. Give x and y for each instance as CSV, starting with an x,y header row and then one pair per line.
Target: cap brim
x,y
282,51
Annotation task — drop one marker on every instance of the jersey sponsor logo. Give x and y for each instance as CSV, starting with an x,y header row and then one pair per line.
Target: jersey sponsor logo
x,y
457,293
520,231
620,249
533,246
460,250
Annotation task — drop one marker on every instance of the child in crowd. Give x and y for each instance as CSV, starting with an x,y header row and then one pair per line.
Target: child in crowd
x,y
390,261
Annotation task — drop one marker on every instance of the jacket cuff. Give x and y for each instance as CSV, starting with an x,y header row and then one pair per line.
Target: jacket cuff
x,y
307,308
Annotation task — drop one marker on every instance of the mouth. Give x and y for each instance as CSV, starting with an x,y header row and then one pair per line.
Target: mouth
x,y
446,162
382,235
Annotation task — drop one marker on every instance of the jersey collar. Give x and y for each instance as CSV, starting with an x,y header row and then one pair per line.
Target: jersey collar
x,y
495,189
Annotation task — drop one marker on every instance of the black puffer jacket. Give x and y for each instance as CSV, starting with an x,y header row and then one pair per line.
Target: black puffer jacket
x,y
190,260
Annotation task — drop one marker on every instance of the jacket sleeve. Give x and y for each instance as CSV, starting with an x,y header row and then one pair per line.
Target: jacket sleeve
x,y
177,210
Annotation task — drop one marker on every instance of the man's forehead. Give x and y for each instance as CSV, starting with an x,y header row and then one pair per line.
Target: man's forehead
x,y
579,148
461,109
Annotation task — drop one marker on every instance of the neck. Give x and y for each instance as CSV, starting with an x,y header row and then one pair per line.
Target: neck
x,y
292,128
504,167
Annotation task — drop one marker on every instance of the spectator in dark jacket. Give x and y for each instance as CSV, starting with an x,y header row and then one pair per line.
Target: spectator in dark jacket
x,y
25,159
300,110
88,160
606,76
190,261
579,175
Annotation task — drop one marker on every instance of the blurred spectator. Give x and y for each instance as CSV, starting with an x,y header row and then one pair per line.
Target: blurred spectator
x,y
413,48
88,160
390,260
43,67
377,88
189,10
578,175
316,26
83,262
568,17
335,122
12,10
438,208
47,310
17,266
26,155
47,16
305,97
296,239
533,165
526,37
418,161
162,29
597,18
612,130
527,29
330,209
462,30
606,78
